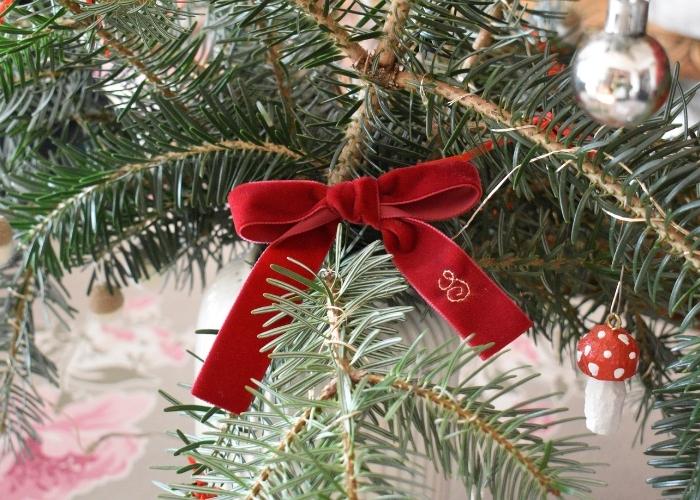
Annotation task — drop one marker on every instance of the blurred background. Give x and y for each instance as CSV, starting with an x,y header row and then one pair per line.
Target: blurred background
x,y
108,425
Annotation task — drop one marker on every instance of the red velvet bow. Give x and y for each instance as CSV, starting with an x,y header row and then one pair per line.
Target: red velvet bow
x,y
299,218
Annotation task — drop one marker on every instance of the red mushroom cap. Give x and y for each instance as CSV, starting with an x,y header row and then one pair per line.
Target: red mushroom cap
x,y
607,353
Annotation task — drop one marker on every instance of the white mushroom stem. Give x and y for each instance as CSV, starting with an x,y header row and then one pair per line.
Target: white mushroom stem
x,y
604,403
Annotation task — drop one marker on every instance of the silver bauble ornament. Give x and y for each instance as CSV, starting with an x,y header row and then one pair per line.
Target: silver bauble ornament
x,y
622,76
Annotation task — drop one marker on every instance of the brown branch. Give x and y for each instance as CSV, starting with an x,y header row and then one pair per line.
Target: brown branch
x,y
340,36
283,87
350,478
395,20
337,347
351,154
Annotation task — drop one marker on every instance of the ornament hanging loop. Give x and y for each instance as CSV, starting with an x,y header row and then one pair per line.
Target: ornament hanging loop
x,y
614,321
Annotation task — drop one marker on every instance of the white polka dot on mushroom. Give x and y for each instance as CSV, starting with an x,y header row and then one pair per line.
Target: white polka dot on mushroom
x,y
633,355
607,354
593,368
623,338
601,334
586,350
578,355
619,372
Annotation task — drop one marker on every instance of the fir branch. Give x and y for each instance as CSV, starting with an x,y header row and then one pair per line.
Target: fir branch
x,y
316,8
451,406
470,418
125,52
672,235
328,392
131,169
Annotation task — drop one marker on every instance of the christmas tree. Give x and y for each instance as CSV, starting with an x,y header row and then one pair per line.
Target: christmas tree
x,y
125,125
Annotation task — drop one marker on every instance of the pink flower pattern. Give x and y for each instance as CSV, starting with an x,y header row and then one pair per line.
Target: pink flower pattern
x,y
95,434
86,444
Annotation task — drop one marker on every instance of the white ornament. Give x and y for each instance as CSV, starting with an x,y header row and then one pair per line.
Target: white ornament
x,y
217,300
603,407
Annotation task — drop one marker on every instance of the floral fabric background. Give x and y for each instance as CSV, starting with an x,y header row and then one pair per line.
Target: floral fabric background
x,y
107,427
106,417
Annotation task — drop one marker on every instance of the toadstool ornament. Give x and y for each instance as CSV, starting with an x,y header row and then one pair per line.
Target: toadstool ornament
x,y
609,355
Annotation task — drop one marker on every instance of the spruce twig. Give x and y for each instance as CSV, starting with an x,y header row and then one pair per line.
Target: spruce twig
x,y
337,347
23,297
76,198
328,392
470,418
112,43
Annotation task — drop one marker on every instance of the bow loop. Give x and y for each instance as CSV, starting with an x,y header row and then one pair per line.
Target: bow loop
x,y
356,201
262,212
431,191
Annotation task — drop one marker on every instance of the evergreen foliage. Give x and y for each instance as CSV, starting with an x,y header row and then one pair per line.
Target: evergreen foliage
x,y
345,396
119,143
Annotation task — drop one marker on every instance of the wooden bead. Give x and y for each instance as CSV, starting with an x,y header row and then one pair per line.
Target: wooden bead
x,y
5,232
104,301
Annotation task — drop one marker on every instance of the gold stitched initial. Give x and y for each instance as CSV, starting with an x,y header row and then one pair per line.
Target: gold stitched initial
x,y
457,290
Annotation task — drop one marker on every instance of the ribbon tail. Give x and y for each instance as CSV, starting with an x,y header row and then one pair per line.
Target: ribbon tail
x,y
235,357
455,286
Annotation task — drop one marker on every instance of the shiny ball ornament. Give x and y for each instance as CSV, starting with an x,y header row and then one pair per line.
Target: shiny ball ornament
x,y
622,76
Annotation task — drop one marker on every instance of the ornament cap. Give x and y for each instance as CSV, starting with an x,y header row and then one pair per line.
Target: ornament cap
x,y
627,17
608,353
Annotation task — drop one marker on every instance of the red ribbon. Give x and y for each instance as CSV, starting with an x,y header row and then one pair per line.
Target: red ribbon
x,y
298,219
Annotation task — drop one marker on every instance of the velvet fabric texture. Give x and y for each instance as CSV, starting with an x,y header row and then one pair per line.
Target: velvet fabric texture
x,y
299,219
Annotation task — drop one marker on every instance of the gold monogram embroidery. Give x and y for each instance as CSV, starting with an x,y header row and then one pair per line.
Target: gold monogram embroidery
x,y
457,290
